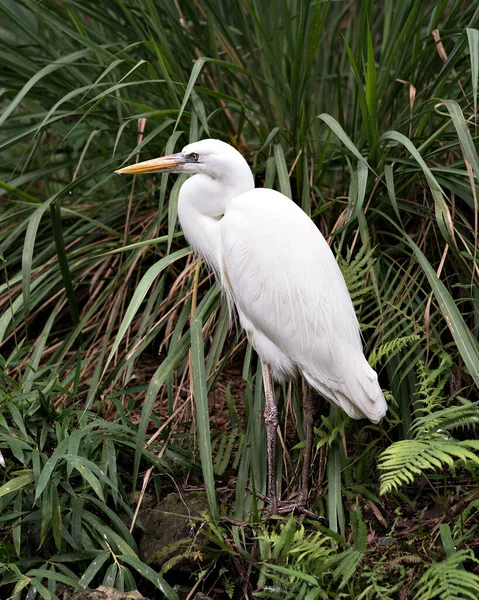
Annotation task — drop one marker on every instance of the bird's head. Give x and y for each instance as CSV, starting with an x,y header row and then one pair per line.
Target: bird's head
x,y
211,157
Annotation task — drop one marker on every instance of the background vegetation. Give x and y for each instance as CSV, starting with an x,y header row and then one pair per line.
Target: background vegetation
x,y
366,115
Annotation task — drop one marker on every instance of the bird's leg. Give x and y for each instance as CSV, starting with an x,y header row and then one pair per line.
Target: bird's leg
x,y
274,507
308,417
271,422
300,504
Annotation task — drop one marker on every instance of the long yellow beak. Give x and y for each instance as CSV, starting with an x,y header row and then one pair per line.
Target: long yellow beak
x,y
166,164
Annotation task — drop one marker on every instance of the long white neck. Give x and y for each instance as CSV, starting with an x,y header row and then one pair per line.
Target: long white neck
x,y
202,203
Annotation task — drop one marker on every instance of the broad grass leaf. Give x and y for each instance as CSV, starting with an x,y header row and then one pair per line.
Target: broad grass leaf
x,y
17,483
151,575
202,411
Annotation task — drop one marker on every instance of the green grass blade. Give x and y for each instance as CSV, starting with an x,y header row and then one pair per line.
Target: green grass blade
x,y
92,569
342,135
465,341
148,573
464,135
139,295
55,211
16,483
473,39
157,381
282,170
336,520
202,411
58,64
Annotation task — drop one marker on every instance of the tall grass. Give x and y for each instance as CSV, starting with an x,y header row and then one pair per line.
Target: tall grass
x,y
364,113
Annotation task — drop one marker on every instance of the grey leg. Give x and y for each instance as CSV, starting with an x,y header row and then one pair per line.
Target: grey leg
x,y
271,421
275,507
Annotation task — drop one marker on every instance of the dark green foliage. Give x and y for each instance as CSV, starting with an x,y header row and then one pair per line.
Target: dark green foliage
x,y
64,500
365,114
448,580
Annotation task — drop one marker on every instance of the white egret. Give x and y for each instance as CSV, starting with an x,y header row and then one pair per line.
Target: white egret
x,y
279,272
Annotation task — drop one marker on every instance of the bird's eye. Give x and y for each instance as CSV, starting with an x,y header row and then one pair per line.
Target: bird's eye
x,y
194,156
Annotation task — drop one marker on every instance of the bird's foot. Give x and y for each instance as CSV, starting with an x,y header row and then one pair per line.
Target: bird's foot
x,y
281,507
231,521
300,509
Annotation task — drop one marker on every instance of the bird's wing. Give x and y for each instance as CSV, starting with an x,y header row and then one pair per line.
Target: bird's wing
x,y
292,298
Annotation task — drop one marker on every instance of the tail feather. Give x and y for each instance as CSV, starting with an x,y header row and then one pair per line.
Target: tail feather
x,y
358,393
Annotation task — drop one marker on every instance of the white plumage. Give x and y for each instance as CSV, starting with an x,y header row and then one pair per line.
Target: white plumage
x,y
282,277
278,271
293,302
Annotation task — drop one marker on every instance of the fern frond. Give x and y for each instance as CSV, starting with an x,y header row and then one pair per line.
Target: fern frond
x,y
357,272
360,530
282,544
408,559
291,583
345,565
390,349
239,451
447,419
447,580
312,549
404,460
173,561
174,547
224,451
178,554
431,383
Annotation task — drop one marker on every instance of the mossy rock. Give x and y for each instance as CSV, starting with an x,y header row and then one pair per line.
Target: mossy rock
x,y
104,593
171,536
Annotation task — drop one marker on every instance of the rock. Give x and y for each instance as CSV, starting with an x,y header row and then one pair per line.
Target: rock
x,y
105,593
170,534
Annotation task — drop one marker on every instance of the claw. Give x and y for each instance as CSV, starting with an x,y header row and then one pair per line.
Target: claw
x,y
290,506
230,521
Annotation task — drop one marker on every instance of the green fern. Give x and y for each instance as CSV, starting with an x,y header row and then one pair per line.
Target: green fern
x,y
173,561
307,564
390,349
301,557
432,448
344,565
282,543
310,548
447,580
228,583
431,383
357,272
239,452
453,417
223,449
276,546
406,459
360,530
179,549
